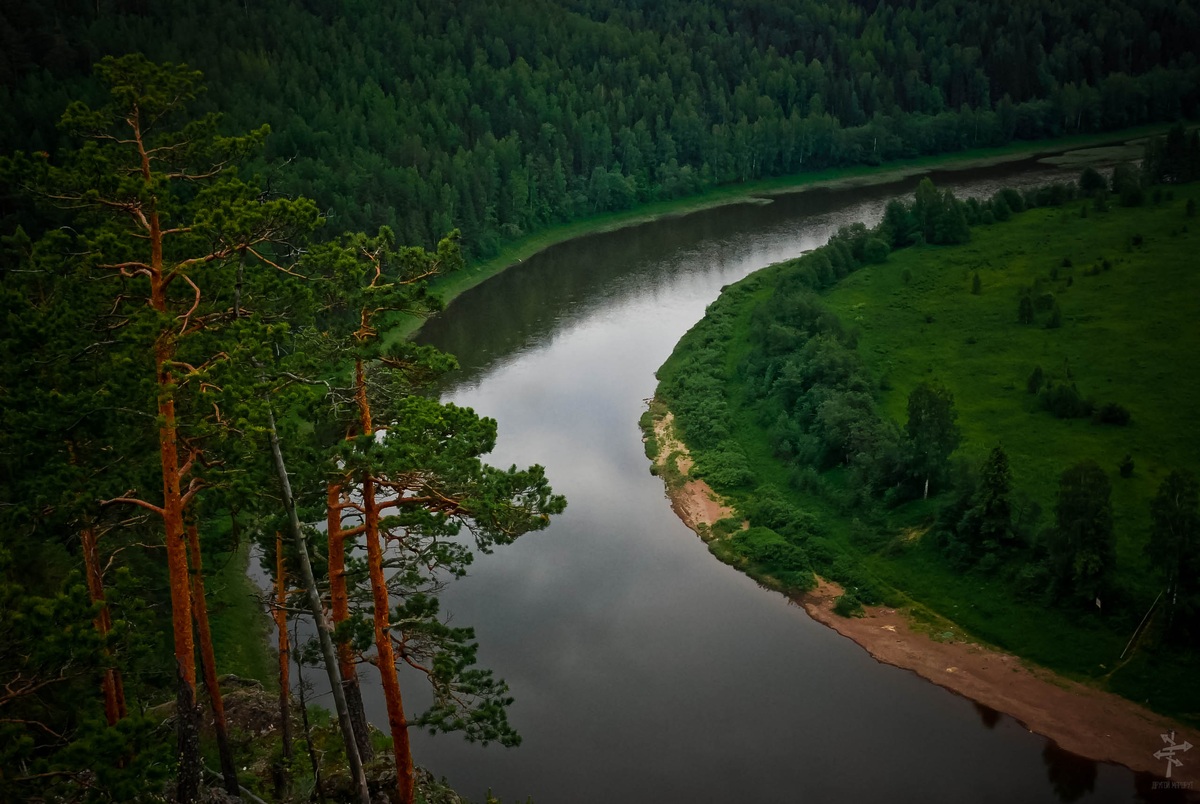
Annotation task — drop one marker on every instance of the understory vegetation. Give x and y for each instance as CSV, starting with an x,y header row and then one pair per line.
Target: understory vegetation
x,y
983,408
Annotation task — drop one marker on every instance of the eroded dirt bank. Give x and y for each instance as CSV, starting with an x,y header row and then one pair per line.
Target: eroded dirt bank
x,y
1083,720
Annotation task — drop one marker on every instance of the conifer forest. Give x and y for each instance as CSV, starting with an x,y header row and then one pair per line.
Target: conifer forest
x,y
306,340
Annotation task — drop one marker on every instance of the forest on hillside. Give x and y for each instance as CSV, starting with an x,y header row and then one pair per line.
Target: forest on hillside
x,y
213,213
500,119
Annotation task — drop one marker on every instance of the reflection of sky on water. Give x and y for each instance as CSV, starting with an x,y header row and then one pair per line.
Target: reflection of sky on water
x,y
643,669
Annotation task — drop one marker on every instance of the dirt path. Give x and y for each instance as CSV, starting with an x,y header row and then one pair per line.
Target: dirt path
x,y
1083,720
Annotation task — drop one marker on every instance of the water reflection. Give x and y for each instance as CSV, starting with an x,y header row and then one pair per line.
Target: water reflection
x,y
643,669
1071,776
987,714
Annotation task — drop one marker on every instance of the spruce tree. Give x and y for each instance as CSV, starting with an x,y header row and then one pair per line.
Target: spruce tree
x,y
993,504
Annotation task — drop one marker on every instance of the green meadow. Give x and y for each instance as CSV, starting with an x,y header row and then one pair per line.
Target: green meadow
x,y
1126,283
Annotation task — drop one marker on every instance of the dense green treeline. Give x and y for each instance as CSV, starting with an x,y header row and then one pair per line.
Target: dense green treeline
x,y
501,119
905,420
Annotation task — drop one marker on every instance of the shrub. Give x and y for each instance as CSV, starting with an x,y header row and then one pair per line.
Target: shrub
x,y
1066,262
1056,317
1124,175
906,276
1036,380
1126,466
1025,310
988,217
1112,413
1091,182
765,546
1190,209
725,466
976,285
1000,207
1133,195
848,605
1101,202
1014,200
876,251
1033,579
1065,401
1044,302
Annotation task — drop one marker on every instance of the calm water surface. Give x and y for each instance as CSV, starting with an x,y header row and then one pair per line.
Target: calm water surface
x,y
643,669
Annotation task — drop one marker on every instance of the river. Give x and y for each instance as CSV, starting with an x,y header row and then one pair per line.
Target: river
x,y
643,669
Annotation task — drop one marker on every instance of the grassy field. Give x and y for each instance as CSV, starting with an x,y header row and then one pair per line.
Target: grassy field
x,y
862,175
1129,335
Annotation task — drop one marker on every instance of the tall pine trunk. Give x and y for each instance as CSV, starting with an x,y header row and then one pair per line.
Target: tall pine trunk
x,y
385,657
188,782
114,690
187,716
340,604
328,653
208,662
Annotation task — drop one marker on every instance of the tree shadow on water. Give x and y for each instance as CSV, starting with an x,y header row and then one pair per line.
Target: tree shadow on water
x,y
1071,776
987,714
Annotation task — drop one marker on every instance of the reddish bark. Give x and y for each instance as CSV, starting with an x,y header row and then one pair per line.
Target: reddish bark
x,y
114,691
172,509
285,721
340,603
208,663
385,657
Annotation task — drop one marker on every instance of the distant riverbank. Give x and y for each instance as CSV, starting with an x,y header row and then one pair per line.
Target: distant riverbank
x,y
1091,723
451,286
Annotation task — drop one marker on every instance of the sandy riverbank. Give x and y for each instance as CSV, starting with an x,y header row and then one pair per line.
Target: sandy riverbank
x,y
1081,719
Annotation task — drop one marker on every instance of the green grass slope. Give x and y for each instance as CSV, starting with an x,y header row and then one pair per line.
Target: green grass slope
x,y
1129,335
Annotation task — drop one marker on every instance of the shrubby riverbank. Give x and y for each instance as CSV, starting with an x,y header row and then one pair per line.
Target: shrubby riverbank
x,y
1079,718
814,499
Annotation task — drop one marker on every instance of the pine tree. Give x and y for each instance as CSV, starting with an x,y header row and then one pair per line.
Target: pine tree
x,y
398,467
171,236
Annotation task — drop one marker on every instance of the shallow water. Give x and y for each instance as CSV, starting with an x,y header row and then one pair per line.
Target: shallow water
x,y
643,669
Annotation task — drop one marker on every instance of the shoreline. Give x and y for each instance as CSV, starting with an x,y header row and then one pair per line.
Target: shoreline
x,y
1083,720
762,191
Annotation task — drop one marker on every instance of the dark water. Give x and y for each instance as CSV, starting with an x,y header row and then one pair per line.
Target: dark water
x,y
643,669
